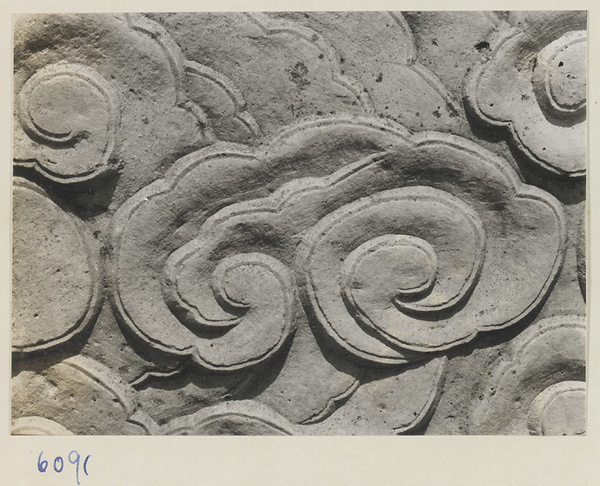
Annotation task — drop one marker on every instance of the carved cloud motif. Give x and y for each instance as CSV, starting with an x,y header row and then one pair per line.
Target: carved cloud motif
x,y
319,63
394,246
169,213
86,102
538,385
295,224
395,404
78,396
394,83
56,289
535,86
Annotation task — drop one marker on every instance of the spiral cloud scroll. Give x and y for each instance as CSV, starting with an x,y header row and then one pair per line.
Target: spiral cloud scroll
x,y
299,223
389,257
72,112
534,86
426,262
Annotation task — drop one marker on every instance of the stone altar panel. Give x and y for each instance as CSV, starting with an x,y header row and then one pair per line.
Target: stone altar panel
x,y
299,223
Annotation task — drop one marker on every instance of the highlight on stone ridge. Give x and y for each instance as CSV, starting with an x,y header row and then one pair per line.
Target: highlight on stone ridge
x,y
299,223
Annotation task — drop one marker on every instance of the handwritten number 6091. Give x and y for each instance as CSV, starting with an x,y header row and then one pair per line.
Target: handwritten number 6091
x,y
58,465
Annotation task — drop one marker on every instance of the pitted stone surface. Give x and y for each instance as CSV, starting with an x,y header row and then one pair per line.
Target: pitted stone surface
x,y
534,85
550,358
320,223
56,291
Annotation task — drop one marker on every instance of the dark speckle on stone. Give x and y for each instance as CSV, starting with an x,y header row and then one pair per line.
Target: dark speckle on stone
x,y
297,75
359,212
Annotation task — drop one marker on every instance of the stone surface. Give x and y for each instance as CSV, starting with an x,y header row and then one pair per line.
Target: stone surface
x,y
56,291
535,85
57,393
539,382
290,223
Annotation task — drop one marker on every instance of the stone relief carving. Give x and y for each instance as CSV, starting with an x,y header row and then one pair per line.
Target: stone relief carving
x,y
550,356
299,223
95,122
535,85
55,394
55,297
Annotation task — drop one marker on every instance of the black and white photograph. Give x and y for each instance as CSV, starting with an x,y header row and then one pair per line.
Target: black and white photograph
x,y
298,222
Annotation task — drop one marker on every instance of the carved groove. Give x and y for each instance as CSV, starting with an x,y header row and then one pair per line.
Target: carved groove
x,y
277,26
52,265
298,227
81,149
550,133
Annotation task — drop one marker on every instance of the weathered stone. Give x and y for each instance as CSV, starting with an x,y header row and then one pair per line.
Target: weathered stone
x,y
37,426
581,253
387,403
312,382
56,284
80,395
293,223
182,391
535,85
538,384
100,94
231,418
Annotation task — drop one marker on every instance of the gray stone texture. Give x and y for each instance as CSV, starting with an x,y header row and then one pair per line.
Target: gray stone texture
x,y
299,223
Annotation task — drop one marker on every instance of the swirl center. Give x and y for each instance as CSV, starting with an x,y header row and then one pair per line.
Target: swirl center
x,y
560,75
71,113
390,267
559,410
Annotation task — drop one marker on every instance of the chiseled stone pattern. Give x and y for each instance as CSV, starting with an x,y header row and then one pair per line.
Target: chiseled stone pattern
x,y
325,223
